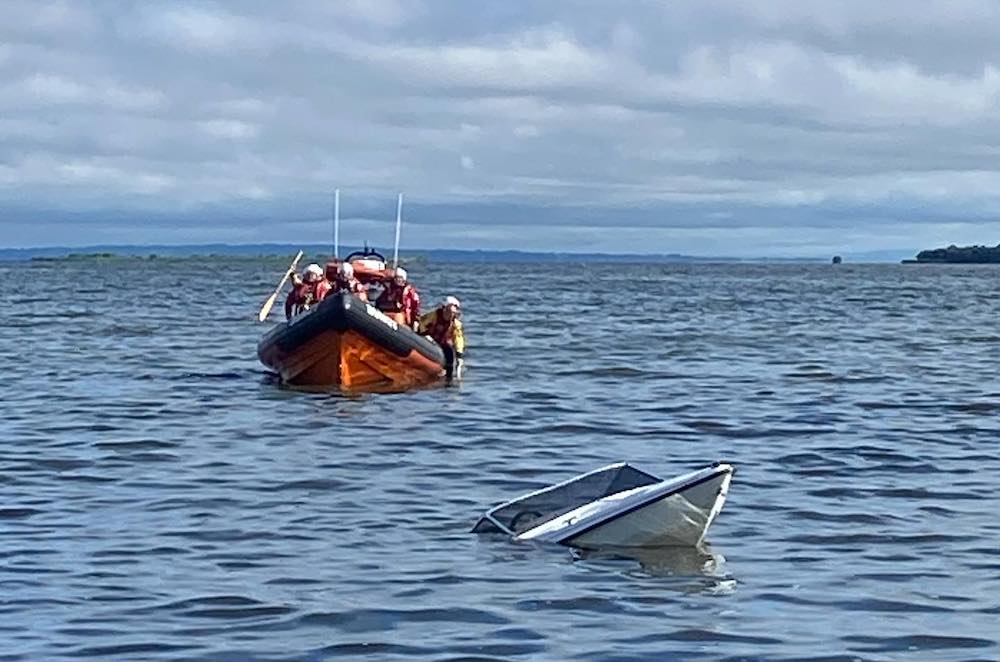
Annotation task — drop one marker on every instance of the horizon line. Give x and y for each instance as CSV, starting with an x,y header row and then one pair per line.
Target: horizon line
x,y
196,248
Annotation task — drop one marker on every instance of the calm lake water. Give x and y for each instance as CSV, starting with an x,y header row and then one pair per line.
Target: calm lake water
x,y
161,497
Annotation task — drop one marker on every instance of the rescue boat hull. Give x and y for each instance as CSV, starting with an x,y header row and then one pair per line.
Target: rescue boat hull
x,y
349,343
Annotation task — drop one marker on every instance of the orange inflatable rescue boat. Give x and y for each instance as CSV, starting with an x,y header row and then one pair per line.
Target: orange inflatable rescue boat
x,y
347,342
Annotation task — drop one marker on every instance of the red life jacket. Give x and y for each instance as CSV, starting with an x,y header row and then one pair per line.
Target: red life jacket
x,y
321,288
396,299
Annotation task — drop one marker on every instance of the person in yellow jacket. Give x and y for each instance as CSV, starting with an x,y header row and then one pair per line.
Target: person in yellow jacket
x,y
444,326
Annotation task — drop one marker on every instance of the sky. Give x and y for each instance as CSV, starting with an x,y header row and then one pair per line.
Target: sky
x,y
744,128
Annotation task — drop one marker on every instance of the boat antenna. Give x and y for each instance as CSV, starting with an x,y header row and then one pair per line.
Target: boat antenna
x,y
399,222
336,223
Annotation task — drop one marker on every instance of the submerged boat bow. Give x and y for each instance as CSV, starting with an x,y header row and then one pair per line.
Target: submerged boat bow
x,y
616,506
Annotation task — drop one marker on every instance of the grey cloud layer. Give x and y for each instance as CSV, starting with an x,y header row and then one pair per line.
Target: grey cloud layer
x,y
687,122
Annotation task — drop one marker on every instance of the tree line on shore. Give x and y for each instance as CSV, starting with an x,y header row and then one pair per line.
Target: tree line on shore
x,y
961,254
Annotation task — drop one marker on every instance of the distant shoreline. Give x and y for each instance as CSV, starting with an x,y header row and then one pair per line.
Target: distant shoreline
x,y
958,255
113,252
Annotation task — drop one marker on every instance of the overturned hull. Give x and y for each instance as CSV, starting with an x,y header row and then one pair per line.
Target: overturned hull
x,y
616,506
347,342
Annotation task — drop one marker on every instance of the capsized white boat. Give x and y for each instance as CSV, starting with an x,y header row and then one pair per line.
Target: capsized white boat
x,y
616,506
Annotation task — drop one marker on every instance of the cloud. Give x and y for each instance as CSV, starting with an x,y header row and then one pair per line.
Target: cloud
x,y
376,13
196,28
43,20
228,128
659,123
525,62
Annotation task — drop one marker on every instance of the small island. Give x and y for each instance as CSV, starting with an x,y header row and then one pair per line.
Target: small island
x,y
958,255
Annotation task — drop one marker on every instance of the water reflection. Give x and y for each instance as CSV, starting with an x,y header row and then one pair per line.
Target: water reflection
x,y
686,569
700,561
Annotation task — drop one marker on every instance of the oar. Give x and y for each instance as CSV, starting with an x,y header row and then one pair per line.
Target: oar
x,y
269,304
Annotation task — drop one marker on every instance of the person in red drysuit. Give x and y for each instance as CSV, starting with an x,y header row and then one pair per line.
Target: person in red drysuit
x,y
307,291
399,296
346,282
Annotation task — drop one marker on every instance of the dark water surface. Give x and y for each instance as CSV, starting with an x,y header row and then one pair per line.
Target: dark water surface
x,y
162,498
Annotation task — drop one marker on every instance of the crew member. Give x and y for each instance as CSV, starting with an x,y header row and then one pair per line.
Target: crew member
x,y
444,327
399,296
346,282
307,291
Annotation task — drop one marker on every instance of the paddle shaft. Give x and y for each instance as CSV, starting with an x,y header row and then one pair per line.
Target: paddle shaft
x,y
266,308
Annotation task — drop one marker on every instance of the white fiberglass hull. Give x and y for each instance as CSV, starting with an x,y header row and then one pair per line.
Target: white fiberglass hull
x,y
667,513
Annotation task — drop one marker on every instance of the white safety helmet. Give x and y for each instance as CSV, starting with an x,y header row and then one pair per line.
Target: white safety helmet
x,y
399,273
313,270
452,301
346,270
